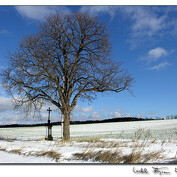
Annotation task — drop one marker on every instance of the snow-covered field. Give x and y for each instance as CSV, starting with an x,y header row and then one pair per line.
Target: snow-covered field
x,y
160,129
27,145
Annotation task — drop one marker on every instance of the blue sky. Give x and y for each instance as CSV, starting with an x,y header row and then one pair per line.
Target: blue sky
x,y
144,39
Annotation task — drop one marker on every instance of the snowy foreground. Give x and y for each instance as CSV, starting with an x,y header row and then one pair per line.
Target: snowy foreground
x,y
6,157
131,142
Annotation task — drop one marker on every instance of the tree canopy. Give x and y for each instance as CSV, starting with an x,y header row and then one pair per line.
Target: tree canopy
x,y
68,58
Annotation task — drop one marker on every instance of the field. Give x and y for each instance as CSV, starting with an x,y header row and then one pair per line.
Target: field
x,y
128,142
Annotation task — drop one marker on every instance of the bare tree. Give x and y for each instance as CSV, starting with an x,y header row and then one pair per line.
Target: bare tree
x,y
67,59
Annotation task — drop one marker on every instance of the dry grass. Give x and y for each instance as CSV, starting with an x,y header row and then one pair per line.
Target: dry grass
x,y
52,154
108,156
108,144
2,149
16,151
112,150
141,134
163,142
153,141
99,156
99,143
118,157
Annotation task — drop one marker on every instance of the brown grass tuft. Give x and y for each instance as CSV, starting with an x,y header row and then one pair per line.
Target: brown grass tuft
x,y
139,142
2,149
16,151
118,157
54,155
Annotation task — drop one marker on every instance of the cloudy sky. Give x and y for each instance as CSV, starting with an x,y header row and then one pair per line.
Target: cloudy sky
x,y
144,39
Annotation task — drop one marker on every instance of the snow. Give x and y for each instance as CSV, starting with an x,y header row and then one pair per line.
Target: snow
x,y
159,128
30,141
14,158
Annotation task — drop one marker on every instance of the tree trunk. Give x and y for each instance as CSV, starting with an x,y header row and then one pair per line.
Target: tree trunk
x,y
66,125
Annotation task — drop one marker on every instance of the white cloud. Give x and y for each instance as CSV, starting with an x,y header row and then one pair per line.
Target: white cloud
x,y
117,114
160,66
145,24
95,116
5,104
83,109
81,117
82,113
39,12
114,114
155,54
10,116
17,117
87,109
95,10
145,21
140,116
14,117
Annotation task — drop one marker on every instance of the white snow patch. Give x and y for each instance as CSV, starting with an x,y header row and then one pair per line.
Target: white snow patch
x,y
164,132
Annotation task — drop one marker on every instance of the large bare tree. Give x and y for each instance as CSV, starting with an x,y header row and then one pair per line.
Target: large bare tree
x,y
67,59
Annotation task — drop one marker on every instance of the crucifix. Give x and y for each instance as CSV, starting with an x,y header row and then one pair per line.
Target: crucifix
x,y
49,115
49,128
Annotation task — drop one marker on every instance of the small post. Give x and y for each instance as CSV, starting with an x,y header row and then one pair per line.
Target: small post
x,y
49,127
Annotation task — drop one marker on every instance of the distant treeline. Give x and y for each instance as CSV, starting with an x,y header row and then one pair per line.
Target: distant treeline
x,y
121,119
